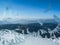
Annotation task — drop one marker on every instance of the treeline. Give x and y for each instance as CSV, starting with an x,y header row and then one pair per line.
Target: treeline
x,y
32,26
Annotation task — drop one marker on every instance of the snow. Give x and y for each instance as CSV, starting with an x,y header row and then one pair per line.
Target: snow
x,y
8,37
38,41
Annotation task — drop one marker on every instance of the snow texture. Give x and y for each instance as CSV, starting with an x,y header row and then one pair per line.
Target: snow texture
x,y
8,37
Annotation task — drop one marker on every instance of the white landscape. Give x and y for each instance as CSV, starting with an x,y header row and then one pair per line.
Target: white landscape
x,y
29,22
8,37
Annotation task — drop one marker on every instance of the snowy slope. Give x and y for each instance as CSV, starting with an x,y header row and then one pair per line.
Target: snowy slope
x,y
8,37
11,37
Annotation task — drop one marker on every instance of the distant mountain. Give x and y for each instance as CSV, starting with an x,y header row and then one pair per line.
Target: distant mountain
x,y
44,30
46,27
26,21
4,22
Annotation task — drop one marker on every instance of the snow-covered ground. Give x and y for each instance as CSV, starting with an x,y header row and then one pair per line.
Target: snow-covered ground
x,y
8,37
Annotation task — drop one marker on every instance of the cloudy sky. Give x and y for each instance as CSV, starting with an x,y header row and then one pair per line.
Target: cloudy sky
x,y
29,8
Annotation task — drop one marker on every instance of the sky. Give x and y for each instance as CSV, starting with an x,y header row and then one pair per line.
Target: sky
x,y
29,9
